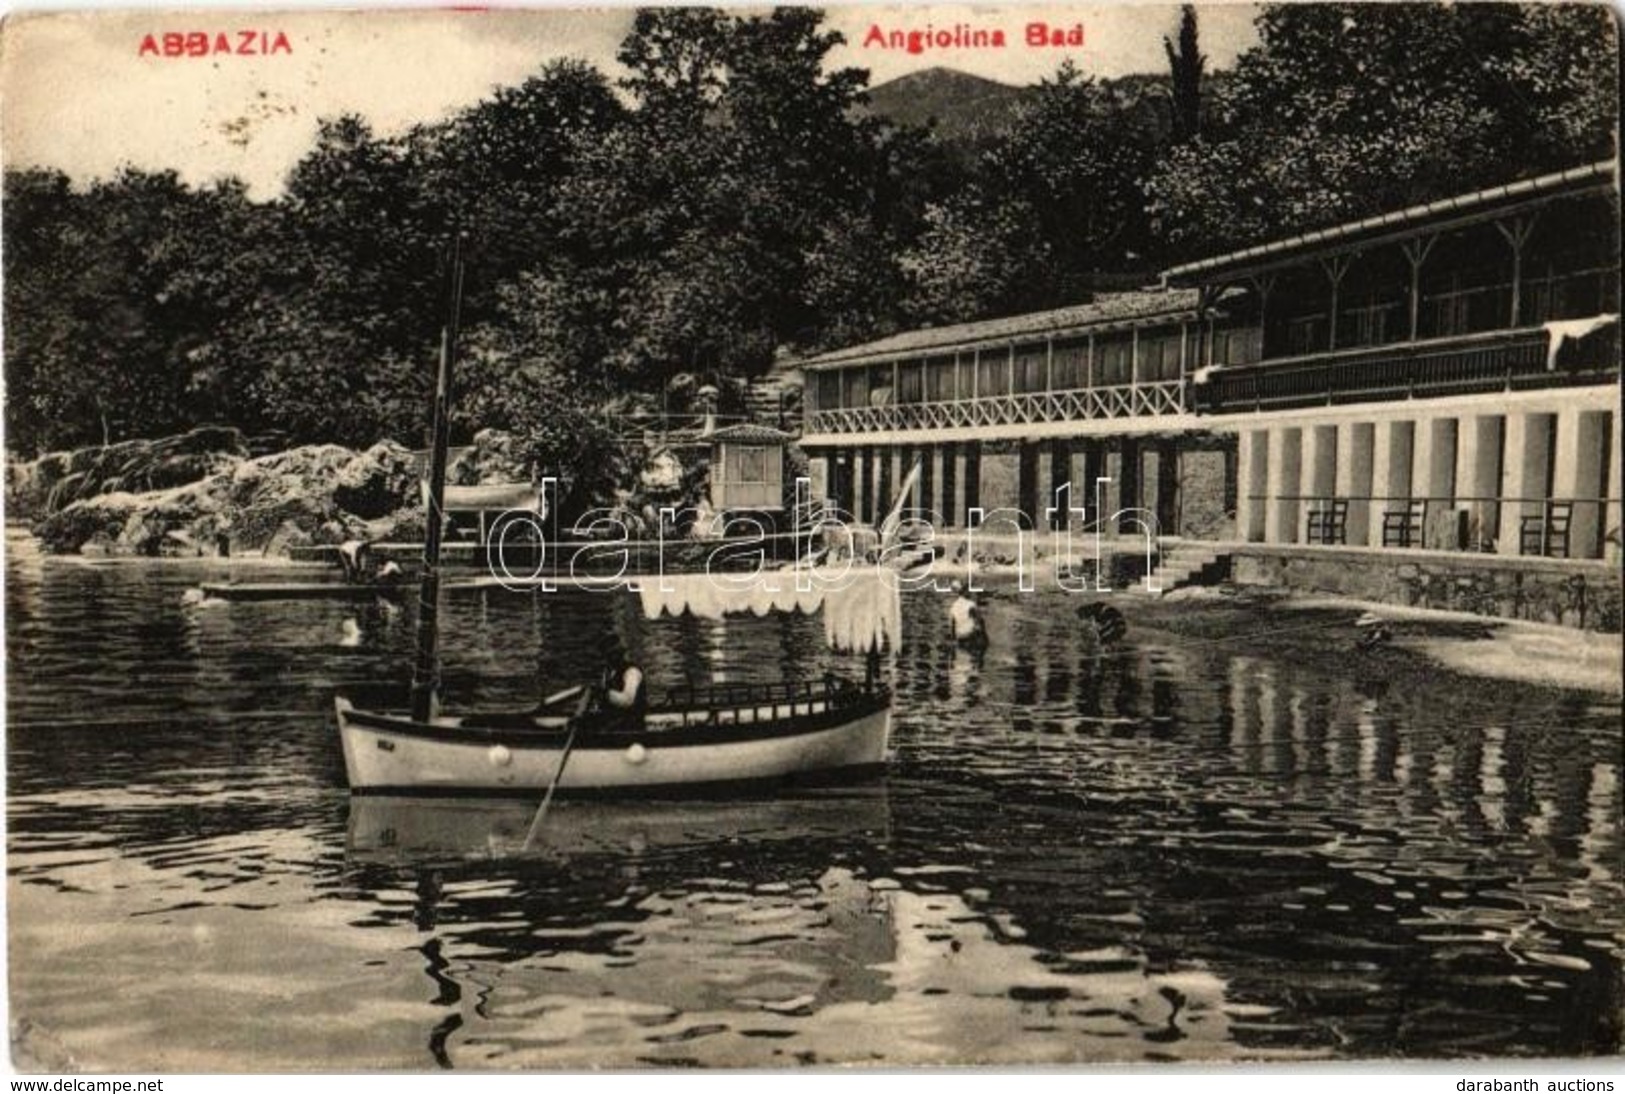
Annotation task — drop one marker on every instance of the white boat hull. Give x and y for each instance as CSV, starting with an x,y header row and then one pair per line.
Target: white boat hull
x,y
384,753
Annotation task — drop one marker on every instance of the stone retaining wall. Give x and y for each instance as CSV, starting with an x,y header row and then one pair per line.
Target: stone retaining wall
x,y
1581,594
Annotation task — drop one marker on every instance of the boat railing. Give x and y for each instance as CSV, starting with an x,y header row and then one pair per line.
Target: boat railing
x,y
745,703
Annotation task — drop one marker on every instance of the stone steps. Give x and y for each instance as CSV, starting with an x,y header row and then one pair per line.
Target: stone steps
x,y
1187,563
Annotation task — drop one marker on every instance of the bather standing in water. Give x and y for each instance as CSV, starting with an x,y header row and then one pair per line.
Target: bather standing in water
x,y
355,557
965,616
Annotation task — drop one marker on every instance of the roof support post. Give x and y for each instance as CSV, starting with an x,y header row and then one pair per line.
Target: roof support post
x,y
1416,253
1516,232
1263,285
1334,267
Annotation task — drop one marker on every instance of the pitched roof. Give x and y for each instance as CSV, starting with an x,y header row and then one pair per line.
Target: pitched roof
x,y
1108,309
1464,206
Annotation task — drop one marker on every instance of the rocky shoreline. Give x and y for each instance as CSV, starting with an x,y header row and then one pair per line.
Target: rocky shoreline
x,y
204,493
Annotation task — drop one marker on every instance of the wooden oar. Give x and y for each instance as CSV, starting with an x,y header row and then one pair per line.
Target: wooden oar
x,y
564,758
559,697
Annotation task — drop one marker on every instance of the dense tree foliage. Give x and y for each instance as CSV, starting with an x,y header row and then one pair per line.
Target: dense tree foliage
x,y
1343,110
1054,202
731,197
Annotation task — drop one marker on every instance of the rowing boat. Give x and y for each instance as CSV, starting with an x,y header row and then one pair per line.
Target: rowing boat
x,y
720,739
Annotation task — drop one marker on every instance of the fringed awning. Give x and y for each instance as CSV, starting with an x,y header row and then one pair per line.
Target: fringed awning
x,y
861,607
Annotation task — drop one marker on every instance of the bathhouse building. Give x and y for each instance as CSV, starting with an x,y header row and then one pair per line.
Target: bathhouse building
x,y
998,414
1441,377
1440,381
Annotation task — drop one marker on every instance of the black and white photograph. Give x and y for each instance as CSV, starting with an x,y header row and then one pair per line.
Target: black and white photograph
x,y
874,537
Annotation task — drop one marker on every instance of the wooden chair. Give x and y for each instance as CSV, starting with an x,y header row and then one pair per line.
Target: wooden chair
x,y
1547,533
1329,520
1403,527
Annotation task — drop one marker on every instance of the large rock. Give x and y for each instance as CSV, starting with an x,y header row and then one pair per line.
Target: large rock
x,y
57,480
379,481
270,503
98,523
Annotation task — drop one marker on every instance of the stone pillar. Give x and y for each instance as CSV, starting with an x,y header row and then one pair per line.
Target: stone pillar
x,y
1111,493
1391,444
1579,475
859,483
885,483
1318,473
1612,550
1285,469
1252,471
1354,464
1478,476
1525,472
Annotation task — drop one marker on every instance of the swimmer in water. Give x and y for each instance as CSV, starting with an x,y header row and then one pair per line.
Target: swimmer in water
x,y
1108,622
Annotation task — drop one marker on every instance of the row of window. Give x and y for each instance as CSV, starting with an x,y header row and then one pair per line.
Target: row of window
x,y
1119,360
1463,309
1463,302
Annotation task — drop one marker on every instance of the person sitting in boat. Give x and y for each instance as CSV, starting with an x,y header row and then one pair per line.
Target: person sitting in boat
x,y
1109,624
620,701
355,557
965,616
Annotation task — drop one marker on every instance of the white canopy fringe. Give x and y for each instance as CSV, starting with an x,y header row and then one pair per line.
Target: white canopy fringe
x,y
862,610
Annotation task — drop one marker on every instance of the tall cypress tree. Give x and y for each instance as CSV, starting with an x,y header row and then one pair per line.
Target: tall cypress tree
x,y
1185,64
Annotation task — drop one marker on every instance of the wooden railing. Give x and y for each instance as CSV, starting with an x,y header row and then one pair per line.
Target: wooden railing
x,y
1031,408
746,703
1470,364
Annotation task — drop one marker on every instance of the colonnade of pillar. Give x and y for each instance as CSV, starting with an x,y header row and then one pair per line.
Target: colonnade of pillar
x,y
1520,482
957,476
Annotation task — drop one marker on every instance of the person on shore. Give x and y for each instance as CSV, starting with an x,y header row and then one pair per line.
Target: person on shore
x,y
620,699
965,617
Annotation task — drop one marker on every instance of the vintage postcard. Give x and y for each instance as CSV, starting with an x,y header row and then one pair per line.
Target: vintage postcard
x,y
755,537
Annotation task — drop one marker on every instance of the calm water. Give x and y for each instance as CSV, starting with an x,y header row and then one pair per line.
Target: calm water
x,y
1215,845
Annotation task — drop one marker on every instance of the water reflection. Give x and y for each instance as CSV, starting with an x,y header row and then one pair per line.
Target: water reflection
x,y
1225,839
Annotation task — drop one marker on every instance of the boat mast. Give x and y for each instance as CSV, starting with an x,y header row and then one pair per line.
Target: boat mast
x,y
426,669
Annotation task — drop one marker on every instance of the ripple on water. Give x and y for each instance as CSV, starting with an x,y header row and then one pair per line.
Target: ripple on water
x,y
1193,848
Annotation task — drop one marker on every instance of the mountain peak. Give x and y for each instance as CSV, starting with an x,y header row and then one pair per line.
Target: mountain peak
x,y
959,103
